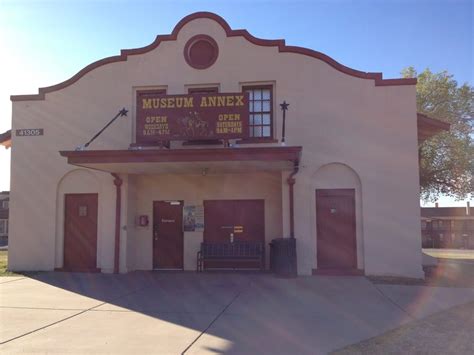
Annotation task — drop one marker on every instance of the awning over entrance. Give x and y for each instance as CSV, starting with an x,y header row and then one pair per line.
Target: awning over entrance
x,y
429,127
202,161
6,139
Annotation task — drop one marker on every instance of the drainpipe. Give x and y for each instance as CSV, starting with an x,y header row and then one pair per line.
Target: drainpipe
x,y
118,207
291,182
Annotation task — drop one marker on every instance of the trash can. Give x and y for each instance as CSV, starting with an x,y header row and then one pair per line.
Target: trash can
x,y
283,257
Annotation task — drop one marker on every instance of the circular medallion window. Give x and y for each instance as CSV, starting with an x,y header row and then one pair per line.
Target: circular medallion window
x,y
201,51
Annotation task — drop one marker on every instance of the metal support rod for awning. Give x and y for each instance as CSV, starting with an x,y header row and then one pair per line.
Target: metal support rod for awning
x,y
122,112
118,210
291,182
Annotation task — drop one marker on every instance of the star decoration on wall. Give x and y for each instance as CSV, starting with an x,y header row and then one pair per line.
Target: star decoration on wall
x,y
123,112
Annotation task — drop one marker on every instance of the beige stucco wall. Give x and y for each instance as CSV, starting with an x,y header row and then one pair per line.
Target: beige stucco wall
x,y
337,118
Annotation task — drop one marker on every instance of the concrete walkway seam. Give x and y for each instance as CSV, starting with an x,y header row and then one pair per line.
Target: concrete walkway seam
x,y
152,310
394,303
23,278
42,308
72,316
51,324
213,321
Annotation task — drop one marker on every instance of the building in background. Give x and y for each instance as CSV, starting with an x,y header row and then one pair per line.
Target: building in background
x,y
5,140
209,133
447,227
4,207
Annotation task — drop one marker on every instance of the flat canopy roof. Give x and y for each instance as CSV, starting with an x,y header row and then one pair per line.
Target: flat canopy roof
x,y
429,127
6,139
159,161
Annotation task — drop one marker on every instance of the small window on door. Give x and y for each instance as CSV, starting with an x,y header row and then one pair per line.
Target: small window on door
x,y
82,211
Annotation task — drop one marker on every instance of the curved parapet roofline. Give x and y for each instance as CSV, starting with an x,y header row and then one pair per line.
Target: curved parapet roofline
x,y
280,43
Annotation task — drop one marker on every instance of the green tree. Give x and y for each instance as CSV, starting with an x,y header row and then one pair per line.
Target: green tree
x,y
446,160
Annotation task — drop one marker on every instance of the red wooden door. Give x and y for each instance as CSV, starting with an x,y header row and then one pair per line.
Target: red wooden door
x,y
168,241
336,239
218,221
250,215
237,220
80,232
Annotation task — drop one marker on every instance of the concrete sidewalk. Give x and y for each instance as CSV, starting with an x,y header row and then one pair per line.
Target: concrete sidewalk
x,y
172,313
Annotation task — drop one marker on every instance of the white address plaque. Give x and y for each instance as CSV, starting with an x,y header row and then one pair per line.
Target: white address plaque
x,y
29,132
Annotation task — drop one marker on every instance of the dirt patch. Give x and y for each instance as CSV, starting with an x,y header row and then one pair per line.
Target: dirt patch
x,y
447,332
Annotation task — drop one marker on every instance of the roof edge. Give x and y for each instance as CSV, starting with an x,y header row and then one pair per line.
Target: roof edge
x,y
429,127
5,138
291,153
434,122
280,43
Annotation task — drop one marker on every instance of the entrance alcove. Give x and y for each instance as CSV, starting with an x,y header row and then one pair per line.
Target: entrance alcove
x,y
338,177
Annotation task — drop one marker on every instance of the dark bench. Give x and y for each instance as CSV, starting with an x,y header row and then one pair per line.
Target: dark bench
x,y
236,251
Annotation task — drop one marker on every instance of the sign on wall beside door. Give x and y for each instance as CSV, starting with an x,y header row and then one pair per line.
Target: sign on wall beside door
x,y
193,218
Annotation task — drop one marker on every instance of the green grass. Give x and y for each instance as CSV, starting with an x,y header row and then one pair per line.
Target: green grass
x,y
465,254
4,263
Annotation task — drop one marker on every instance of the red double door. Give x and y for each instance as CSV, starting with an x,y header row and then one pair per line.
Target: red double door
x,y
234,220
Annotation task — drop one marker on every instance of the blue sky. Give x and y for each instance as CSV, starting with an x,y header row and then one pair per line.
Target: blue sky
x,y
46,42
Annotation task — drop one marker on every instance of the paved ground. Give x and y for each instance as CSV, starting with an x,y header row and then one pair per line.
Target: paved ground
x,y
448,332
173,313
